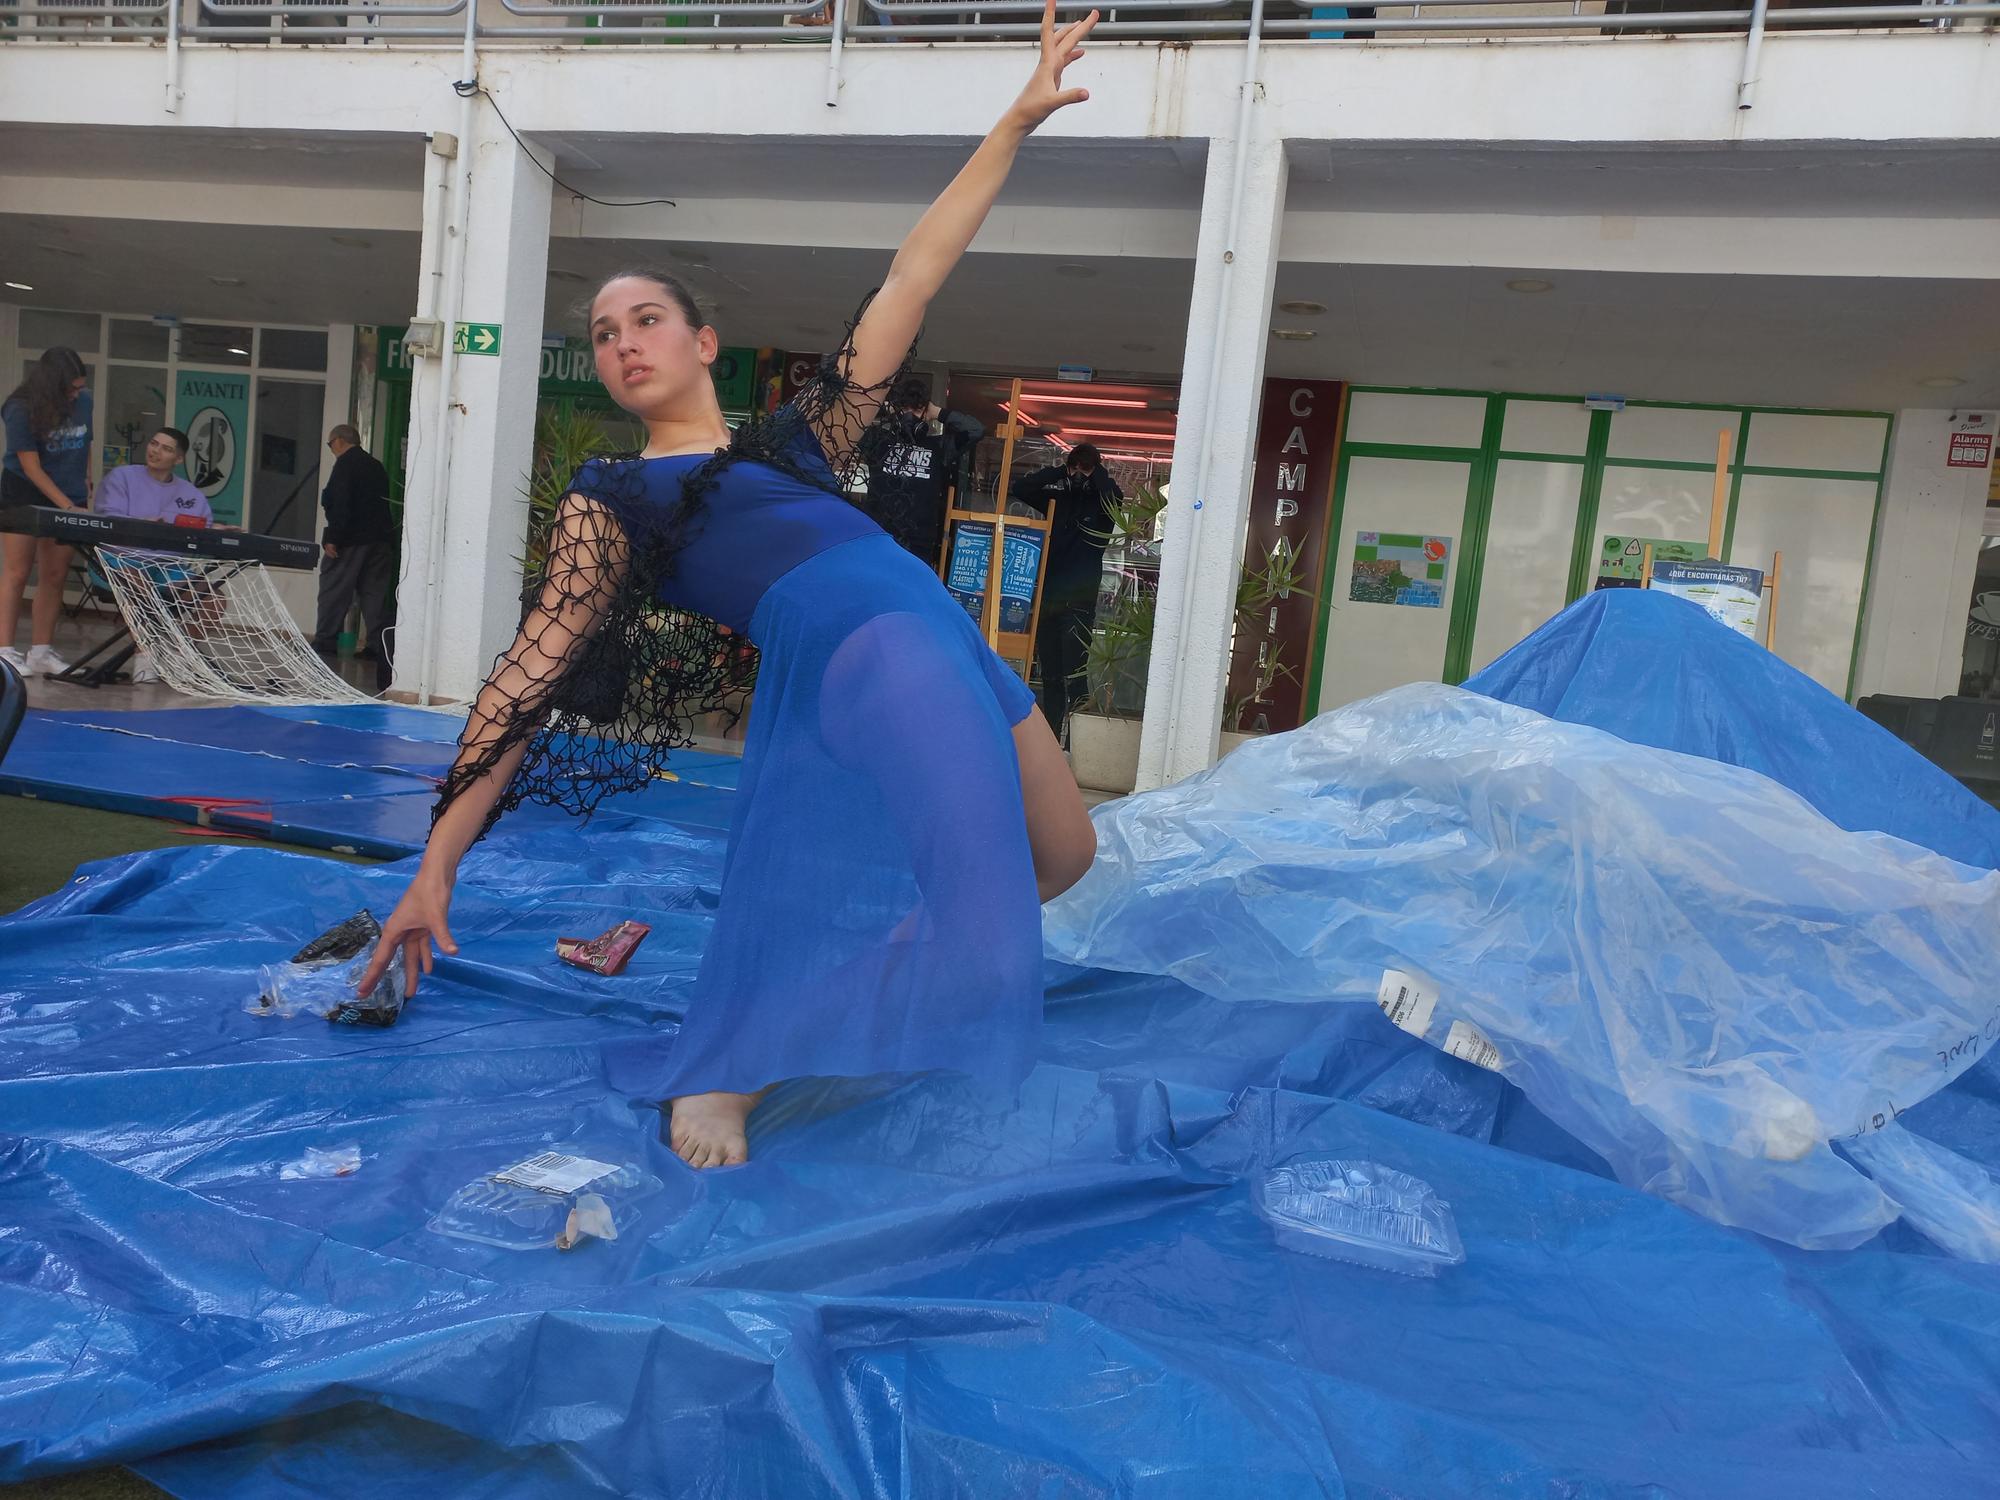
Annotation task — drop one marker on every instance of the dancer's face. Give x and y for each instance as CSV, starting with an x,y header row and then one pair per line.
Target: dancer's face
x,y
648,356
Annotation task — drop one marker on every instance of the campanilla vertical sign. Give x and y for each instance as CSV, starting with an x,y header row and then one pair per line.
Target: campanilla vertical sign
x,y
1291,496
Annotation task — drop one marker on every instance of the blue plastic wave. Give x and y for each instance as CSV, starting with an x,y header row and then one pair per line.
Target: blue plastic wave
x,y
1659,671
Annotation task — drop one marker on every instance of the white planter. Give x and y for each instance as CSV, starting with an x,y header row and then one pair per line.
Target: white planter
x,y
1104,752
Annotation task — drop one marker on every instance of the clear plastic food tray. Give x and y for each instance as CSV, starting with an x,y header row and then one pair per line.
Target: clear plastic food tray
x,y
550,1198
1359,1211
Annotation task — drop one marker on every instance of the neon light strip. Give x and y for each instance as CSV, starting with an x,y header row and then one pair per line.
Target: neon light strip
x,y
1166,438
1059,399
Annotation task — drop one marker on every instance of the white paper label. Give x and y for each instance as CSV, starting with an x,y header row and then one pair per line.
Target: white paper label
x,y
552,1172
1407,1001
1469,1042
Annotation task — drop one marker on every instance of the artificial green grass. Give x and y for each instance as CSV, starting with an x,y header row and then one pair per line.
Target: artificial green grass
x,y
42,843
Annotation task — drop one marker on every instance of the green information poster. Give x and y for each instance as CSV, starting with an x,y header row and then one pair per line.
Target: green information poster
x,y
1621,561
1392,569
213,408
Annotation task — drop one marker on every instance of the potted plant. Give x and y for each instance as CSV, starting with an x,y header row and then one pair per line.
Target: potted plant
x,y
1278,574
1104,735
564,441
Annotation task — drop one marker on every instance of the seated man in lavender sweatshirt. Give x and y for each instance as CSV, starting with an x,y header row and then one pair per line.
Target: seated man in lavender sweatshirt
x,y
153,491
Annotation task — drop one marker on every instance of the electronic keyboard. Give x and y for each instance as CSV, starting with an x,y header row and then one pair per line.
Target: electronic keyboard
x,y
82,528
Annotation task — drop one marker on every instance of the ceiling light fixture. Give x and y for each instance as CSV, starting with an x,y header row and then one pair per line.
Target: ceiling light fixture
x,y
244,352
20,286
1941,382
1303,308
1530,284
1294,335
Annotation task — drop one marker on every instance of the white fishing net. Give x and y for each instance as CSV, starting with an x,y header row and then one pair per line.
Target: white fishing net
x,y
216,628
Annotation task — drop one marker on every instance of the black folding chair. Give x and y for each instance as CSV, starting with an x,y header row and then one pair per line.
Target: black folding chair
x,y
93,593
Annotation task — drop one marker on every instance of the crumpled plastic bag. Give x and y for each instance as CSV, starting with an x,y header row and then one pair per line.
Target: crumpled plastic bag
x,y
320,979
1725,995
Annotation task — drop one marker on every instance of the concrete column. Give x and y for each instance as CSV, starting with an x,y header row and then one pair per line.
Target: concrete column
x,y
458,603
1202,551
1926,554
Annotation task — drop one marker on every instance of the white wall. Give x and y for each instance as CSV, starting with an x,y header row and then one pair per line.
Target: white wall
x,y
1683,88
1926,551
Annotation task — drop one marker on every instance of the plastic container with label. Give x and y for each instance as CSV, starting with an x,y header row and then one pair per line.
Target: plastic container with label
x,y
552,1198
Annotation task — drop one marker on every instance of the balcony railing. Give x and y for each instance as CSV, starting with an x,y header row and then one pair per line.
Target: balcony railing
x,y
849,22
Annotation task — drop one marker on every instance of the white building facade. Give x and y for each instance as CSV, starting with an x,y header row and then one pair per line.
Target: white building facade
x,y
1470,219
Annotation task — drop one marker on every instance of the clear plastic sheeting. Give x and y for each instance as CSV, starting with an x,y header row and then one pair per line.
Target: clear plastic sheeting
x,y
1681,962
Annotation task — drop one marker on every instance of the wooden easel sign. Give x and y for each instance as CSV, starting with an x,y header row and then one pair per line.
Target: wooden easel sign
x,y
1731,594
994,564
999,586
968,563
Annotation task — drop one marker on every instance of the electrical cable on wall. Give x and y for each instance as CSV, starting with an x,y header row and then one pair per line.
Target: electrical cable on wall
x,y
466,88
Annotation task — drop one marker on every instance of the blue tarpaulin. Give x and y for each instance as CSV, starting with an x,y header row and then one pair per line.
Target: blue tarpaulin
x,y
912,1289
359,778
1656,670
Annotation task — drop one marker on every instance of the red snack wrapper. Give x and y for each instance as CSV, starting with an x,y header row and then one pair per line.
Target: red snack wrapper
x,y
605,954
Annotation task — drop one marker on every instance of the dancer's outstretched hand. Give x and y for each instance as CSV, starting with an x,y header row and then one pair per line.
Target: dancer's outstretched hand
x,y
417,922
1045,94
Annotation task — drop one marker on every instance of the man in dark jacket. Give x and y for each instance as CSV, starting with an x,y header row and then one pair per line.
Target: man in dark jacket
x,y
914,454
360,549
1083,495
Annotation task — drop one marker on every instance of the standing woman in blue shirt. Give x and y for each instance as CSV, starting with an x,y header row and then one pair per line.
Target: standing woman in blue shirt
x,y
48,463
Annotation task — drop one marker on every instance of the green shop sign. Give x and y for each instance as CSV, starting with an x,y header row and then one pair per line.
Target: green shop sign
x,y
568,370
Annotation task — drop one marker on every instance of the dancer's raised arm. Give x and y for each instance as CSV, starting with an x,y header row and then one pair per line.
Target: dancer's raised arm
x,y
883,337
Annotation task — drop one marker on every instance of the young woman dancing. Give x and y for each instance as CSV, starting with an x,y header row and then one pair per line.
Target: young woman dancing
x,y
902,809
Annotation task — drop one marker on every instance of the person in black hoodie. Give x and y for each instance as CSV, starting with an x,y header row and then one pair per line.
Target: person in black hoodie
x,y
1084,494
360,548
914,455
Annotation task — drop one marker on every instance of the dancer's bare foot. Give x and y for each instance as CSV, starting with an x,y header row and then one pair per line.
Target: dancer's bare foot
x,y
706,1130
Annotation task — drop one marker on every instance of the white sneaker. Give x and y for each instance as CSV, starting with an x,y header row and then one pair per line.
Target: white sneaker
x,y
43,662
143,669
14,659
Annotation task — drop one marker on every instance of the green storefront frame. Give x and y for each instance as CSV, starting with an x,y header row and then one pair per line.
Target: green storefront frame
x,y
568,383
1595,461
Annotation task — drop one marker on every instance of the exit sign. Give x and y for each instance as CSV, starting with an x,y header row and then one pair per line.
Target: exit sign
x,y
476,338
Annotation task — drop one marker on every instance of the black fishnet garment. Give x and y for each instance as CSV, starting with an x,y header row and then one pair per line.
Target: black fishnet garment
x,y
603,680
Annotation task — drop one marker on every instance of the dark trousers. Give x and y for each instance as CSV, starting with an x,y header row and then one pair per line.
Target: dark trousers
x,y
367,569
1062,643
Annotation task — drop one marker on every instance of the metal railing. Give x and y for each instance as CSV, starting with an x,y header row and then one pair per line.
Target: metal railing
x,y
836,23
